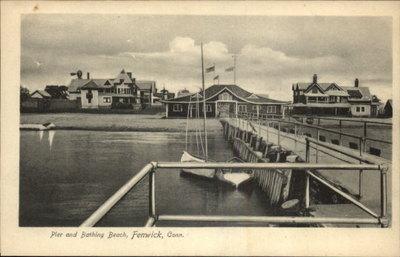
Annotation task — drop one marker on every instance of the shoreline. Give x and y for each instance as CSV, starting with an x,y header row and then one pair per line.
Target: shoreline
x,y
115,129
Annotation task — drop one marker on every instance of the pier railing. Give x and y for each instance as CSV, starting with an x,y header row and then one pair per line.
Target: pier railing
x,y
279,121
152,168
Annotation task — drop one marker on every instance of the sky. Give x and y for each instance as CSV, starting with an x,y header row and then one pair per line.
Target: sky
x,y
272,52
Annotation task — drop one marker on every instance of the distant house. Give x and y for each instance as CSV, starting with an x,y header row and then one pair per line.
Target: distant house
x,y
124,91
360,101
222,101
318,98
40,94
388,109
147,91
183,92
164,94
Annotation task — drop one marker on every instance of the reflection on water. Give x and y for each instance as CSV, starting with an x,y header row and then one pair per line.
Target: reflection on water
x,y
86,167
51,136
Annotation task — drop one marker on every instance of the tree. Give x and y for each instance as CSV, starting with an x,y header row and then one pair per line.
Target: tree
x,y
24,93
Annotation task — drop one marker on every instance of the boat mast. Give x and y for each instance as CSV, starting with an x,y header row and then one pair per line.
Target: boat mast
x,y
204,104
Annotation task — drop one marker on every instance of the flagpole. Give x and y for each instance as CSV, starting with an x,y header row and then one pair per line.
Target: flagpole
x,y
204,104
234,69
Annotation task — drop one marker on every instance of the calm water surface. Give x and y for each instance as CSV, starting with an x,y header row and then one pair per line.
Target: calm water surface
x,y
66,175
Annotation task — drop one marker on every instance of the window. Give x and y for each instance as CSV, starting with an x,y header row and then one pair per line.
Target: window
x,y
357,109
242,108
363,109
254,107
177,108
271,109
106,99
208,108
312,99
314,90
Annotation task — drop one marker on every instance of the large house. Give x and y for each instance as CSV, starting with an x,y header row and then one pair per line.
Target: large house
x,y
222,101
317,98
124,91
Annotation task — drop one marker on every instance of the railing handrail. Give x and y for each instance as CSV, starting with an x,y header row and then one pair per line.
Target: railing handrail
x,y
107,205
318,128
150,168
344,119
266,165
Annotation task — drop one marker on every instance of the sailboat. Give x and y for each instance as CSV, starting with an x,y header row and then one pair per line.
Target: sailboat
x,y
228,176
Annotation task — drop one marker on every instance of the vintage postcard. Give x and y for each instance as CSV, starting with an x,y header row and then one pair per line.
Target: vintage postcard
x,y
200,128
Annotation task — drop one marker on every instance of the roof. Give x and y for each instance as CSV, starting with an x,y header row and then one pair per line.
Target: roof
x,y
324,85
358,93
146,84
234,89
322,105
76,84
43,93
124,77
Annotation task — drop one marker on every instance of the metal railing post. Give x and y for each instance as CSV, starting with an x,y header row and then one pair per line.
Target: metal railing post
x,y
307,150
279,133
383,196
316,147
152,194
360,175
365,136
340,134
307,192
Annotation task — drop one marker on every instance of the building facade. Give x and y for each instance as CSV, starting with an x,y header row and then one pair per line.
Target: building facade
x,y
317,98
222,101
124,92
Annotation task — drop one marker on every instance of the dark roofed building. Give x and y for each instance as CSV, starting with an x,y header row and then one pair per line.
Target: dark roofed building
x,y
318,98
223,101
388,109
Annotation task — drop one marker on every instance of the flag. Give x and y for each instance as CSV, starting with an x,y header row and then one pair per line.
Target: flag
x,y
230,69
210,69
216,77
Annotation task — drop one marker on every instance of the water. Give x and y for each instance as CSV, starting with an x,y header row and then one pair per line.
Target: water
x,y
66,175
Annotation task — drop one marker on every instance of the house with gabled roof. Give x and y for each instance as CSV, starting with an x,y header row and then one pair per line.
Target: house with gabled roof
x,y
40,94
318,98
124,91
222,101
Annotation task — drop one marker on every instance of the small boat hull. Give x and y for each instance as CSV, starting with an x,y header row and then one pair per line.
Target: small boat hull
x,y
204,173
235,179
39,127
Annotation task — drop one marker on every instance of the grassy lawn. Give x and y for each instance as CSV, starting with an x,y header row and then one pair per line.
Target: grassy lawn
x,y
117,122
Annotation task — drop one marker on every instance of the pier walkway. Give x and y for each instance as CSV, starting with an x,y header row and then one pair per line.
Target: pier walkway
x,y
363,184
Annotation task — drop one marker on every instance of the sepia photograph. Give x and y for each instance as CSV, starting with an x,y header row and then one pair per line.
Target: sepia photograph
x,y
152,120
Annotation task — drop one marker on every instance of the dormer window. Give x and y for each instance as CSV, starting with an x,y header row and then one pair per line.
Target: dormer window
x,y
314,90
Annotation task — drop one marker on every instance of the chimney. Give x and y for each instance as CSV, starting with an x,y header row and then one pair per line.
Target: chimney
x,y
129,74
356,82
88,75
315,78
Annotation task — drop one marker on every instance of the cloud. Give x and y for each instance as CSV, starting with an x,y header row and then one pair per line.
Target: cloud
x,y
272,52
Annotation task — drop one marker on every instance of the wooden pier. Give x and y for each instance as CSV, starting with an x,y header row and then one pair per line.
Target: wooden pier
x,y
264,141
